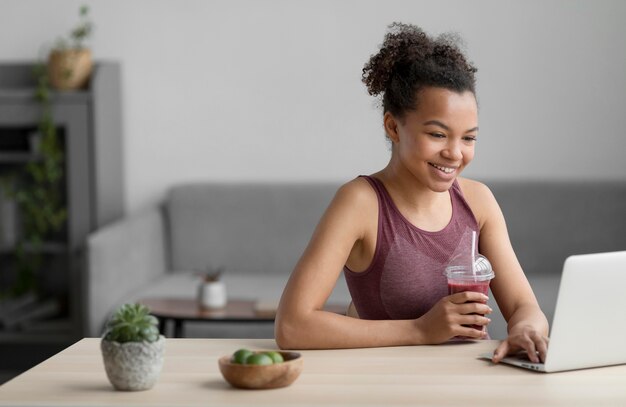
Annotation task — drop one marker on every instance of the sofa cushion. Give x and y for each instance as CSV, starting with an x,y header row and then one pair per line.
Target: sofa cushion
x,y
249,228
549,221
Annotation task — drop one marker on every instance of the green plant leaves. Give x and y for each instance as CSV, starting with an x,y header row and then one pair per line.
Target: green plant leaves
x,y
132,323
84,28
38,191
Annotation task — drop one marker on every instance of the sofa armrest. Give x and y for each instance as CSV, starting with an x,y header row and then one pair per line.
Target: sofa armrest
x,y
122,257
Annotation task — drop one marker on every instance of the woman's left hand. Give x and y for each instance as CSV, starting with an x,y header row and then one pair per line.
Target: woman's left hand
x,y
526,339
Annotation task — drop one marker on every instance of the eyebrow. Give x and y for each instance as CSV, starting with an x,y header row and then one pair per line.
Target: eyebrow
x,y
443,126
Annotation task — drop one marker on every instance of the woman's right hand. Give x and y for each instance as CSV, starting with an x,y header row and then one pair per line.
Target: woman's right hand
x,y
446,319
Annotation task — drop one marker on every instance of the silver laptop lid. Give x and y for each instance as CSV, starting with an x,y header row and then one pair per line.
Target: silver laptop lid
x,y
589,323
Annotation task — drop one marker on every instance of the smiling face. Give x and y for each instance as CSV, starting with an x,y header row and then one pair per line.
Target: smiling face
x,y
435,143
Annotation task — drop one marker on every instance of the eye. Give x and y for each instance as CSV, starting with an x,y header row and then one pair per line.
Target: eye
x,y
437,135
470,139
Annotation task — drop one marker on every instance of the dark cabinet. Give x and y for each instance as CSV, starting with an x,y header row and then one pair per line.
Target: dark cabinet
x,y
89,126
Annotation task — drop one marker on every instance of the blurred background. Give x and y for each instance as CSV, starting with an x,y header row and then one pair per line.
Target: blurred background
x,y
271,90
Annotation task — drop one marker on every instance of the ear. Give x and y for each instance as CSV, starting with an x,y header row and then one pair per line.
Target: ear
x,y
391,127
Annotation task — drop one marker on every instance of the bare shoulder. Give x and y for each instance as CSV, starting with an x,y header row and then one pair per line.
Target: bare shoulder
x,y
354,206
473,189
480,199
357,193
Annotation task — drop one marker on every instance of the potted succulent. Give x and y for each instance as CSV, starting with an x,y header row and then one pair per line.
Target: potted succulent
x,y
70,63
132,348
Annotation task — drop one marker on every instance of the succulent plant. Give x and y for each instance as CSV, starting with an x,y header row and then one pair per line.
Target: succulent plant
x,y
211,275
132,323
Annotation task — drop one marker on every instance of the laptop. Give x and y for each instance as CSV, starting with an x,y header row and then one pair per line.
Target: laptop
x,y
589,324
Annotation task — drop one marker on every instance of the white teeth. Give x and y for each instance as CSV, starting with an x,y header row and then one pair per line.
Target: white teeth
x,y
444,169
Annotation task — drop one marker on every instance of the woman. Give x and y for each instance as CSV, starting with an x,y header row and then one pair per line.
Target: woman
x,y
394,232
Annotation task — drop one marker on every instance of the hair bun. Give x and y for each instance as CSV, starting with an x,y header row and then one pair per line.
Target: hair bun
x,y
408,51
402,46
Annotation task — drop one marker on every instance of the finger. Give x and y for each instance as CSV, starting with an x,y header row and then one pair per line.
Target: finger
x,y
469,332
501,351
474,308
541,343
529,346
467,296
473,320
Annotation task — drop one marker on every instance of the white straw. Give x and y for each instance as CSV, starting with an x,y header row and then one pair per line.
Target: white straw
x,y
473,250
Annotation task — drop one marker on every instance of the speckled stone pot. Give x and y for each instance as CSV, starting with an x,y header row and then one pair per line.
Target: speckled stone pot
x,y
133,365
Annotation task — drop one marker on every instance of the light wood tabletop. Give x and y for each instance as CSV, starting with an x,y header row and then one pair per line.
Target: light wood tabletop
x,y
449,375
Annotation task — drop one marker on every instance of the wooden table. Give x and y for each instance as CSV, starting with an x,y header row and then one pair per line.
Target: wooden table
x,y
448,375
179,310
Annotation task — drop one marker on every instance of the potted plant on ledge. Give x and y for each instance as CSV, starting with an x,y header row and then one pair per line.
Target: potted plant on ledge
x,y
70,63
132,348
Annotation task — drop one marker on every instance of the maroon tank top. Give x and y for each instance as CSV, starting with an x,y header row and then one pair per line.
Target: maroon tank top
x,y
405,278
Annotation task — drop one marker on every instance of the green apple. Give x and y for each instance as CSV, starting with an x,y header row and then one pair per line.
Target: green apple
x,y
259,359
241,356
276,356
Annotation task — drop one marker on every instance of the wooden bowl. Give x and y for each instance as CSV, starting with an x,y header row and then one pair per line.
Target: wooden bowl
x,y
262,377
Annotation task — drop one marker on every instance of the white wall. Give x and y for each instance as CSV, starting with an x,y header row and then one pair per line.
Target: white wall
x,y
270,90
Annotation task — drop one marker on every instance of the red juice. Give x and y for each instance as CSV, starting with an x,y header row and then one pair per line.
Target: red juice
x,y
459,286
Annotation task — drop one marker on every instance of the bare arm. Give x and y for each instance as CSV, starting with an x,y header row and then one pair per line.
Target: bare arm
x,y
301,322
527,325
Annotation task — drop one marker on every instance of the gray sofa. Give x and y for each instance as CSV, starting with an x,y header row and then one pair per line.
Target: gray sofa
x,y
256,233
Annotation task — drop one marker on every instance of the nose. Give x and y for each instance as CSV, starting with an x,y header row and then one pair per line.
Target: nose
x,y
452,151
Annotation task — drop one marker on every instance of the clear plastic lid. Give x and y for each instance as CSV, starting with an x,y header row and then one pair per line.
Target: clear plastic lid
x,y
482,270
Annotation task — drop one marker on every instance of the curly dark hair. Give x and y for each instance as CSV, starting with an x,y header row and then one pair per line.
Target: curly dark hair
x,y
410,60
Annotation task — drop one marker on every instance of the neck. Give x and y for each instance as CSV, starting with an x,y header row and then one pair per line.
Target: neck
x,y
405,186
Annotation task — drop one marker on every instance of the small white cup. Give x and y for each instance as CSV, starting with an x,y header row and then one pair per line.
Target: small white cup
x,y
212,295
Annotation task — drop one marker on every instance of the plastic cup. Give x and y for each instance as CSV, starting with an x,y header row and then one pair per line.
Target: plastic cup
x,y
462,278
